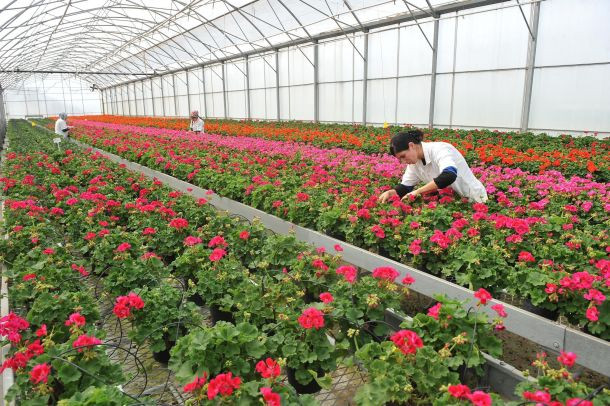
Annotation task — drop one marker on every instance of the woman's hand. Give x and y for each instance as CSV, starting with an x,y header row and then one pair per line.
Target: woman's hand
x,y
385,196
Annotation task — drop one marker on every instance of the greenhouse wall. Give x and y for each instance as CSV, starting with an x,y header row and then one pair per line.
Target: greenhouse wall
x,y
50,95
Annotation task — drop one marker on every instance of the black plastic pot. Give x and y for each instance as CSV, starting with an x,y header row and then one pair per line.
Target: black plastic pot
x,y
548,314
311,387
197,299
220,315
163,356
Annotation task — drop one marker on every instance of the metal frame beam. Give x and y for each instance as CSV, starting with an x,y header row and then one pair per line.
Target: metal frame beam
x,y
277,82
530,65
224,90
316,85
365,78
248,115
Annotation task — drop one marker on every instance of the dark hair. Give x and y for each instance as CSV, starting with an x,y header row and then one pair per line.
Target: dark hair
x,y
400,142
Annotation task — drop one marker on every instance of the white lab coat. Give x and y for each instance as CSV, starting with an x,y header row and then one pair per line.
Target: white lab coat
x,y
438,156
196,125
60,125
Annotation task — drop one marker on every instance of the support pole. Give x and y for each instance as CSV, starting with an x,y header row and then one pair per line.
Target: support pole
x,y
433,74
366,76
248,88
152,97
188,93
162,97
277,82
175,97
316,85
128,100
224,91
530,64
205,101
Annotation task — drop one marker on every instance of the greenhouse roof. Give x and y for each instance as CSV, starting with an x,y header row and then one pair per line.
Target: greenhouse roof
x,y
114,41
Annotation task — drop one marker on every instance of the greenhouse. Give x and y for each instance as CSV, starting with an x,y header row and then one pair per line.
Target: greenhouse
x,y
288,202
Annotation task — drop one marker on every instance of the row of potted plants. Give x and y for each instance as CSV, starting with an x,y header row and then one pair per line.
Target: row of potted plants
x,y
75,218
540,237
527,151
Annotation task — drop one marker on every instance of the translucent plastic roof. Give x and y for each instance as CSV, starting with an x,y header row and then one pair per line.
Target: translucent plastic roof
x,y
140,37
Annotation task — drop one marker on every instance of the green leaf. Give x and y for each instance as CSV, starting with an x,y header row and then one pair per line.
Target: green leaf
x,y
68,373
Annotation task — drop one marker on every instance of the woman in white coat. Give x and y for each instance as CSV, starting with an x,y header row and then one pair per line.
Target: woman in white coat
x,y
196,124
436,164
61,127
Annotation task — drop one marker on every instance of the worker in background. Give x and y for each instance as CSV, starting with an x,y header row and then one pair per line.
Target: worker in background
x,y
196,124
437,164
61,127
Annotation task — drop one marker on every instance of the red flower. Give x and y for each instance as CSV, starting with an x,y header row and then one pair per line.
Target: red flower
x,y
407,341
121,311
149,231
81,269
244,235
483,296
217,254
434,311
385,273
311,318
271,398
408,280
76,319
378,231
348,272
415,247
526,256
135,301
191,240
459,391
578,402
499,308
268,368
49,251
217,241
196,384
42,331
480,398
178,223
28,277
123,247
223,384
40,373
326,297
85,341
538,396
593,295
567,358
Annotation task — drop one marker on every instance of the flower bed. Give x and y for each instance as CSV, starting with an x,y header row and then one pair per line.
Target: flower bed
x,y
72,216
531,152
541,237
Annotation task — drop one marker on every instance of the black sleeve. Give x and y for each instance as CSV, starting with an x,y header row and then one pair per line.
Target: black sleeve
x,y
446,178
65,129
402,190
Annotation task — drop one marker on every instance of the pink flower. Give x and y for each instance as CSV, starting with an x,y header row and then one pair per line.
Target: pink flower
x,y
407,341
595,296
338,248
76,319
567,358
217,254
149,231
268,368
459,391
385,273
434,311
483,296
80,269
191,240
499,308
85,341
135,300
223,384
121,310
348,272
90,236
378,231
578,402
592,314
538,396
40,373
123,247
195,384
311,318
244,235
408,280
326,297
480,398
415,247
49,251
